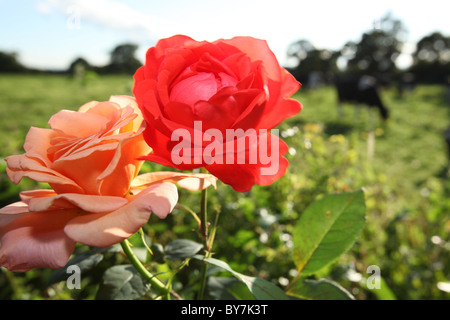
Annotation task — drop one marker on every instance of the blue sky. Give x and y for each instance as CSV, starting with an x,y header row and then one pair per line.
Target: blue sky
x,y
52,33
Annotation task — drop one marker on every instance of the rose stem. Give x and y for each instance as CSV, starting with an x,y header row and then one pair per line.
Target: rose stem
x,y
204,234
156,284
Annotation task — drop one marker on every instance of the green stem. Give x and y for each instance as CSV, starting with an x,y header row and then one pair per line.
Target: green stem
x,y
204,234
13,283
204,218
180,206
141,232
156,284
213,232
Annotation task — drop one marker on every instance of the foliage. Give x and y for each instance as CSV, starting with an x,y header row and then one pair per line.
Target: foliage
x,y
378,49
431,59
376,53
123,60
9,63
406,196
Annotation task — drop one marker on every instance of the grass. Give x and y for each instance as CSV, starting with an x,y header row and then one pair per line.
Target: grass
x,y
409,148
405,176
407,182
30,100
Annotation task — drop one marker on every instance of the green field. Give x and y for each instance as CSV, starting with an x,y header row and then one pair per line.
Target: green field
x,y
401,164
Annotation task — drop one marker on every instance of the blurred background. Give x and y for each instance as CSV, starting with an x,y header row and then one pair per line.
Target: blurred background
x,y
50,35
393,56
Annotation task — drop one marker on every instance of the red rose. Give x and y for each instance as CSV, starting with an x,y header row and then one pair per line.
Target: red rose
x,y
212,105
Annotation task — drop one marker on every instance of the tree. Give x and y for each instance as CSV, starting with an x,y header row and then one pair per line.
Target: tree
x,y
431,59
307,61
78,66
378,48
9,63
123,60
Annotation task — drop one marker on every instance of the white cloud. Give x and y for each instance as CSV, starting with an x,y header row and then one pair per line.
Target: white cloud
x,y
113,15
202,22
44,8
327,24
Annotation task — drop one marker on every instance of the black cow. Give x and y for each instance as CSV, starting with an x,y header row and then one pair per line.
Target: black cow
x,y
360,90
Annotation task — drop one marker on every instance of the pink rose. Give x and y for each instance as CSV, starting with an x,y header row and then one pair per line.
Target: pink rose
x,y
89,158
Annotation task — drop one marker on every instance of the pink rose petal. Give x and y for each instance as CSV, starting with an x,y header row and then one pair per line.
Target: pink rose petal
x,y
88,203
12,212
190,181
37,240
105,229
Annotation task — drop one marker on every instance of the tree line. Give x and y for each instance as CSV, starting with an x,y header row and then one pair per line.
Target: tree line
x,y
376,53
122,61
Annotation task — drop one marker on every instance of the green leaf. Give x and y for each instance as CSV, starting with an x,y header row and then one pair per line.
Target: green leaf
x,y
322,289
158,253
85,261
139,244
121,282
383,292
136,240
327,229
261,289
181,249
228,289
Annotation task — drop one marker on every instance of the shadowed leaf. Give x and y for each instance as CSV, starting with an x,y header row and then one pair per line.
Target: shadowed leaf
x,y
181,249
318,290
121,282
261,289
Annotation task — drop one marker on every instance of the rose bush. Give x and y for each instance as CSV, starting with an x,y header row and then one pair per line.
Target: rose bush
x,y
89,159
233,84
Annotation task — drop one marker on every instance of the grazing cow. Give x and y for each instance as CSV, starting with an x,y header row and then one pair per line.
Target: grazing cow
x,y
360,90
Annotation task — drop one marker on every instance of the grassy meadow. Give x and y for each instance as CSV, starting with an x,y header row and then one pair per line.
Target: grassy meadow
x,y
401,164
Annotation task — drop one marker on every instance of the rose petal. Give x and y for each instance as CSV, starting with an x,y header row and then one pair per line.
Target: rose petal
x,y
38,193
12,212
124,101
78,124
37,142
179,112
273,117
243,176
124,166
201,86
88,203
85,170
37,240
257,50
190,181
162,147
20,166
105,229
